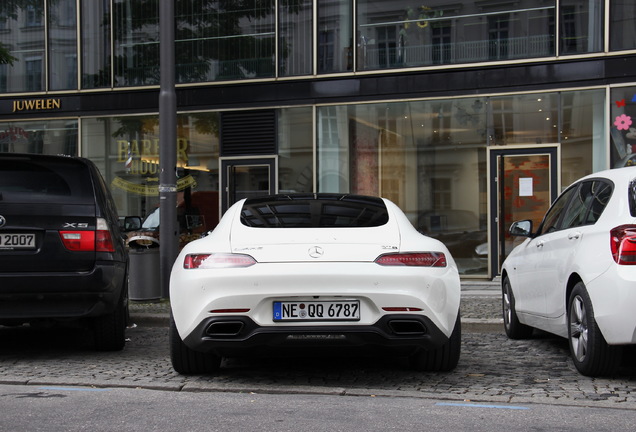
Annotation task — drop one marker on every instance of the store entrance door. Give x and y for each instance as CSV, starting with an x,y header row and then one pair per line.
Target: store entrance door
x,y
246,178
523,184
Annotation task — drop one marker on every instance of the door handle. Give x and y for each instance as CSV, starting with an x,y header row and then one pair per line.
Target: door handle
x,y
574,236
540,244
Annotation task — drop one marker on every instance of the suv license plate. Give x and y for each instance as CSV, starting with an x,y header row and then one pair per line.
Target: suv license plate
x,y
17,241
348,310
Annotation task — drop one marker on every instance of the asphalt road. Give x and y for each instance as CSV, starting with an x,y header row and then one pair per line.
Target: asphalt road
x,y
70,409
492,369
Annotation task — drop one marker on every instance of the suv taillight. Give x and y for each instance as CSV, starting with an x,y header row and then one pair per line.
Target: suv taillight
x,y
416,259
99,240
623,244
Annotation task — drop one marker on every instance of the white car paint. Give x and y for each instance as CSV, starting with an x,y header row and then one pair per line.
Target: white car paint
x,y
540,269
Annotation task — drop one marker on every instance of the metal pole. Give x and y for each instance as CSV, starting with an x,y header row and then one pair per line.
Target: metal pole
x,y
168,229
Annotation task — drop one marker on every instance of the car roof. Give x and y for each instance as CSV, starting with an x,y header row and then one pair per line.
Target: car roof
x,y
617,175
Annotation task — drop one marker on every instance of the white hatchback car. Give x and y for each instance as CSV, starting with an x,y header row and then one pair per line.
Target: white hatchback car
x,y
288,273
576,275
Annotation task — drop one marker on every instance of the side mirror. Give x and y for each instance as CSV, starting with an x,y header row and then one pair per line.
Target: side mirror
x,y
132,223
521,228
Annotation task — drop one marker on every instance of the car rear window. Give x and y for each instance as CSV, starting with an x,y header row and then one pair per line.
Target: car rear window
x,y
45,180
314,211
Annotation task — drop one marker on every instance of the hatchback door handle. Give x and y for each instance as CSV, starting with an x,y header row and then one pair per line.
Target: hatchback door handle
x,y
574,235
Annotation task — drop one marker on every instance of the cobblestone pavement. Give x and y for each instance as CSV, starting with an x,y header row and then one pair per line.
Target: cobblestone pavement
x,y
491,369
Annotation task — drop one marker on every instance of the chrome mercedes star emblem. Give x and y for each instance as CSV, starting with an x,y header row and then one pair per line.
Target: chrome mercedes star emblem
x,y
3,221
316,252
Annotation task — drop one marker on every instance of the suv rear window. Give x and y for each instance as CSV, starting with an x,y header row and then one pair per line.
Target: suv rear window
x,y
314,211
45,180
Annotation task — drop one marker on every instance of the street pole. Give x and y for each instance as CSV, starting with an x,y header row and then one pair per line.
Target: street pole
x,y
168,229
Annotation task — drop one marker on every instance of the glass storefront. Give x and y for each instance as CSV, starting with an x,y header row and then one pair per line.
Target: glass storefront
x,y
429,157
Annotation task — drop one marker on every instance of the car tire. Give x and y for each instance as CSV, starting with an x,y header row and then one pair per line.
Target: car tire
x,y
513,327
591,354
110,329
444,358
187,361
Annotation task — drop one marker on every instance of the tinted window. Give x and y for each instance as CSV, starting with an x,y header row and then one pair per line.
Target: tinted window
x,y
587,204
553,216
45,180
632,197
314,211
602,193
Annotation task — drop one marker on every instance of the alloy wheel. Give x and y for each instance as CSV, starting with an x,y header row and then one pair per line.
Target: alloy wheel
x,y
578,329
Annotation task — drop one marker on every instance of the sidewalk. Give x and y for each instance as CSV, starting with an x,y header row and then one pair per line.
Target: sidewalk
x,y
480,308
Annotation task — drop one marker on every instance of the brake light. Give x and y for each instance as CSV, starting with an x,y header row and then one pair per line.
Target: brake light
x,y
99,240
623,244
217,260
414,259
103,238
78,241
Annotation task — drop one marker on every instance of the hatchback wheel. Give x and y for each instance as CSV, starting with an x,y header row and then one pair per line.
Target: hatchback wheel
x,y
187,361
444,358
590,352
514,328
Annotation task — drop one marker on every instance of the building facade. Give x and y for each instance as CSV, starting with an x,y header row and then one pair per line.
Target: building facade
x,y
467,114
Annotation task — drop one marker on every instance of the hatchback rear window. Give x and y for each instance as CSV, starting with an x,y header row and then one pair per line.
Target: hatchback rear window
x,y
45,180
314,211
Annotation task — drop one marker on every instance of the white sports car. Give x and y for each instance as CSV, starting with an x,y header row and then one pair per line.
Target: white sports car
x,y
288,273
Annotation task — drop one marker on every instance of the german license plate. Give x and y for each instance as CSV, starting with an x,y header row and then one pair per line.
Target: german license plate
x,y
346,310
17,241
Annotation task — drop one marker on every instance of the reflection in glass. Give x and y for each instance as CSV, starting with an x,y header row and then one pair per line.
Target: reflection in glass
x,y
295,150
395,34
62,45
335,36
40,137
136,34
22,33
581,26
95,33
621,26
295,30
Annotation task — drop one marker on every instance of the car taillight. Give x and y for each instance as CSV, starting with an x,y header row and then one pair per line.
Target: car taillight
x,y
217,260
99,240
416,259
78,241
103,238
623,244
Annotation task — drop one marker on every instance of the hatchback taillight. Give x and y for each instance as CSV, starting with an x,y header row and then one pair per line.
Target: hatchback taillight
x,y
217,260
416,259
623,244
99,240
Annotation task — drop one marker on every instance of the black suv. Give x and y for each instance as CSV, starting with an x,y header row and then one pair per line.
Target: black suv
x,y
62,255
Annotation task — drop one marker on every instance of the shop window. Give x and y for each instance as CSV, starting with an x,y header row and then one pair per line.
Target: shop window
x,y
622,127
40,137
